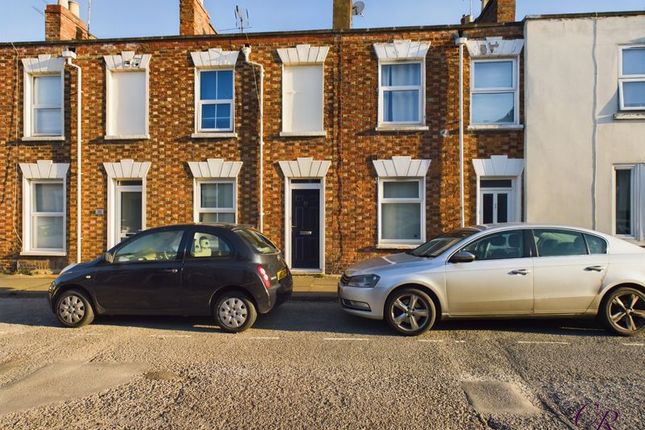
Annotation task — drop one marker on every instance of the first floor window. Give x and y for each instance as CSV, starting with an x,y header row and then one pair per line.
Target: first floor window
x,y
216,202
46,215
401,93
302,98
632,78
629,197
215,103
47,105
402,209
494,92
127,103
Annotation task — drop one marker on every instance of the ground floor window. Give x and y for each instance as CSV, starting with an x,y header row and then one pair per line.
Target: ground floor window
x,y
401,211
629,197
496,197
215,201
129,208
45,207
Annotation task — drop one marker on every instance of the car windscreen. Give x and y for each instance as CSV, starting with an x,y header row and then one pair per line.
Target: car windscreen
x,y
439,244
257,241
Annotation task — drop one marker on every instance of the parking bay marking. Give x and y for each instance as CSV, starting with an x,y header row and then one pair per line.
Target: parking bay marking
x,y
634,344
263,337
431,340
163,336
543,342
345,339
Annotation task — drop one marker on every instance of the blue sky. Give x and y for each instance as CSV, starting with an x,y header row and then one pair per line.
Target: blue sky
x,y
128,18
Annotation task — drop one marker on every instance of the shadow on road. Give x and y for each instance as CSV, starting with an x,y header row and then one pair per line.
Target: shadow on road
x,y
299,316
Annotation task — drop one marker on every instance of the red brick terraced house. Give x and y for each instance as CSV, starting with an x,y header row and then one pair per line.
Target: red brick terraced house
x,y
338,144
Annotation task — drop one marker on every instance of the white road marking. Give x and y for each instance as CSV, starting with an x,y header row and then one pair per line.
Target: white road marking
x,y
545,342
634,344
582,328
345,338
431,340
262,337
460,341
162,336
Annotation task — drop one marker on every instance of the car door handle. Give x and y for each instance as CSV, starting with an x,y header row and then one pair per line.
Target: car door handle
x,y
522,272
594,269
170,270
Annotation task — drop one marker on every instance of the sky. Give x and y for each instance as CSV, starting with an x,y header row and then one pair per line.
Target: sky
x,y
22,20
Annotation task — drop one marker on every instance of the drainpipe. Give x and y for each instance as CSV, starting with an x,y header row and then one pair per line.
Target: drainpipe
x,y
461,41
69,56
246,51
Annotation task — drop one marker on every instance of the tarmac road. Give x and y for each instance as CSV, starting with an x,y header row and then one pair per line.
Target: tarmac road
x,y
308,365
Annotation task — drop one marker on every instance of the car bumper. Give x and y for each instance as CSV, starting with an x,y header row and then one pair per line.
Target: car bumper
x,y
277,295
363,302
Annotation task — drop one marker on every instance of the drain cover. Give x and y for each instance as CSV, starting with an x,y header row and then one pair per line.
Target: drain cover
x,y
489,397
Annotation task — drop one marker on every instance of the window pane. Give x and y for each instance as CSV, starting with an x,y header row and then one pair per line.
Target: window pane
x,y
624,201
493,108
401,221
161,246
494,74
596,244
401,106
48,198
131,213
552,243
208,85
634,61
47,91
209,195
225,195
502,207
488,209
48,232
216,85
400,74
47,121
215,218
216,116
225,85
496,183
509,244
401,190
217,195
206,245
634,94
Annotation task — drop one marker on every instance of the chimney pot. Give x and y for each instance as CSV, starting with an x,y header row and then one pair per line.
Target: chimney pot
x,y
64,3
75,8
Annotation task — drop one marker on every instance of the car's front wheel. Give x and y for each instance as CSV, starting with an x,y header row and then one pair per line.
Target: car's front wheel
x,y
410,311
73,309
623,312
234,312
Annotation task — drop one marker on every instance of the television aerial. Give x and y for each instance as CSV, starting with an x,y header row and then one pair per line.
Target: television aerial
x,y
358,8
241,18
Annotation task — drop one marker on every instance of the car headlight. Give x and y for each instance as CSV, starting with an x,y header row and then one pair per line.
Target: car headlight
x,y
363,281
68,267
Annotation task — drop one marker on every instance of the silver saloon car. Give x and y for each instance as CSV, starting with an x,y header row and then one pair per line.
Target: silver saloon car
x,y
511,270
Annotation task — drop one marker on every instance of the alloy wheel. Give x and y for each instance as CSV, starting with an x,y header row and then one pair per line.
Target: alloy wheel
x,y
71,309
410,312
627,311
233,312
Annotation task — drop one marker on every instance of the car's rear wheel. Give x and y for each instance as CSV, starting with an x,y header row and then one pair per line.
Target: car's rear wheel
x,y
73,309
234,312
623,311
410,311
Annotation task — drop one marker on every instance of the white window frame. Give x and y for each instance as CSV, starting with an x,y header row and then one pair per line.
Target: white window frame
x,y
321,129
29,215
30,105
514,89
422,220
110,132
199,103
637,199
421,88
622,79
198,209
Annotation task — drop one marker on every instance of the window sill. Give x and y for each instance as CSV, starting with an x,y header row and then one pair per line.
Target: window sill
x,y
624,115
495,127
398,245
43,138
44,253
214,135
402,127
322,133
127,137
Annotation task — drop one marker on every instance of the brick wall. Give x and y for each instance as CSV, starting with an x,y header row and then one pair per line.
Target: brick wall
x,y
62,24
350,116
194,19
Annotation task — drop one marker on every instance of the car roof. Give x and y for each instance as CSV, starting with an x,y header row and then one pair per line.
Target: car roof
x,y
510,225
226,226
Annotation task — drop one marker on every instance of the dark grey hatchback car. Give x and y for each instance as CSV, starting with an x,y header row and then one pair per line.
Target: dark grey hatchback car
x,y
228,271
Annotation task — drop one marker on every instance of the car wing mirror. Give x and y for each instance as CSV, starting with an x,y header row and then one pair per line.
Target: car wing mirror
x,y
108,257
462,257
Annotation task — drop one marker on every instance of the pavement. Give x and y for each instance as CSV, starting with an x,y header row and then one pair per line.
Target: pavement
x,y
308,365
305,287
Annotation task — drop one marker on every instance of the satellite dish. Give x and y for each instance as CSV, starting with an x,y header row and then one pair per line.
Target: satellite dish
x,y
358,8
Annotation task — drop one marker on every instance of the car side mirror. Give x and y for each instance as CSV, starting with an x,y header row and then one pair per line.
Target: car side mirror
x,y
108,257
462,257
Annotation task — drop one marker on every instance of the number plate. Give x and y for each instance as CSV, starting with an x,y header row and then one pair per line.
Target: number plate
x,y
282,274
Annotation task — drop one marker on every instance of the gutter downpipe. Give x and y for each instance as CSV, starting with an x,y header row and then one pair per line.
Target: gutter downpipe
x,y
246,51
69,56
461,41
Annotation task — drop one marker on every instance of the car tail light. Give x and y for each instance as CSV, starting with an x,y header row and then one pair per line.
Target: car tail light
x,y
265,277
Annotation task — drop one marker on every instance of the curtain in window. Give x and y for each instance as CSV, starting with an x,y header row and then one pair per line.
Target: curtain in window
x,y
217,202
47,105
401,221
401,105
48,216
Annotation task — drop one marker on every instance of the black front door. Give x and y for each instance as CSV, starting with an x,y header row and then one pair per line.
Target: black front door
x,y
305,229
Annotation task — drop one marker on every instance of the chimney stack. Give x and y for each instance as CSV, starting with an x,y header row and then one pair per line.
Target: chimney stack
x,y
194,19
497,11
63,21
342,14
